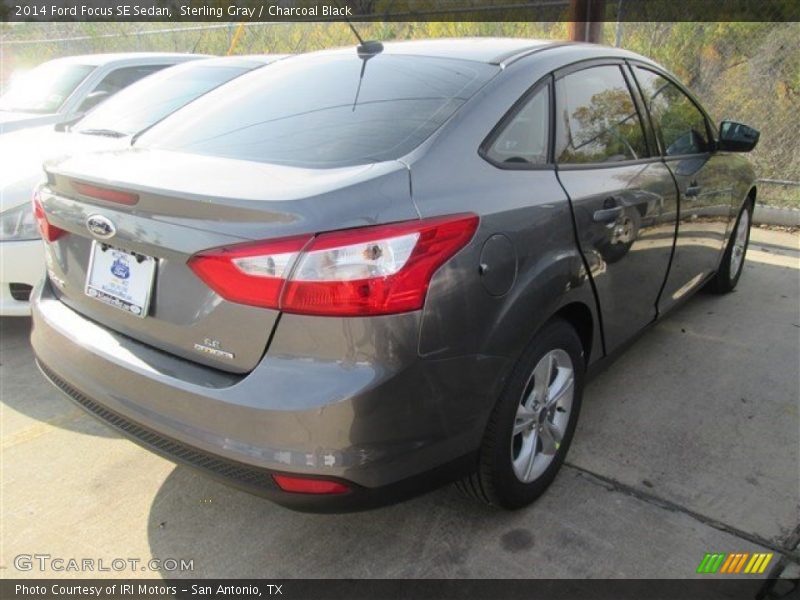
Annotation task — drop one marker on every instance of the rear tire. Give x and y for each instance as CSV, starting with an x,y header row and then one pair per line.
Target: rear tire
x,y
531,427
732,264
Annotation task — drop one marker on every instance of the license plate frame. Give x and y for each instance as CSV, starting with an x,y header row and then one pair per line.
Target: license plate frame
x,y
121,279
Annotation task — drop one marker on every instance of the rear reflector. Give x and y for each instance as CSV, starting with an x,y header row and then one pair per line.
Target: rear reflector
x,y
106,194
49,232
377,270
302,485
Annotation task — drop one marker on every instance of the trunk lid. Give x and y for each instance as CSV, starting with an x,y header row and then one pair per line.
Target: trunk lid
x,y
187,204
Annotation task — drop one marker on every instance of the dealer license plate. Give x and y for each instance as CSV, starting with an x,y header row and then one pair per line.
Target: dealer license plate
x,y
120,278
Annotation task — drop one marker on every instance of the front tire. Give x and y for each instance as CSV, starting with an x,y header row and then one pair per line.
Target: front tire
x,y
732,264
532,424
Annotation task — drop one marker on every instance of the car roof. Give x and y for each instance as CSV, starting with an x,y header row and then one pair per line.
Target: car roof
x,y
487,50
496,51
246,63
97,60
246,59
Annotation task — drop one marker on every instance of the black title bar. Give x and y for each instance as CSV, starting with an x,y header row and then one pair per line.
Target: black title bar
x,y
399,10
710,588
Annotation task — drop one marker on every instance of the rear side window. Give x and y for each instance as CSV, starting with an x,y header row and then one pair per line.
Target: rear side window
x,y
597,119
523,141
680,125
123,77
324,111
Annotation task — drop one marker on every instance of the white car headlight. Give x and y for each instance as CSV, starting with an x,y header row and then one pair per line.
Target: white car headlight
x,y
18,224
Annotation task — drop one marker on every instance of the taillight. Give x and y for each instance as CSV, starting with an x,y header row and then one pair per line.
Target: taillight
x,y
366,271
304,485
250,273
49,232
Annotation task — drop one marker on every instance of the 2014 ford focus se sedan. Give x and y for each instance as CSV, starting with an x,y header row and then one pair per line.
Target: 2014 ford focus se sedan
x,y
357,273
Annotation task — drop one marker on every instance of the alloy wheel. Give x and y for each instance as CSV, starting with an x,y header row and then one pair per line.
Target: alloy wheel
x,y
542,416
739,244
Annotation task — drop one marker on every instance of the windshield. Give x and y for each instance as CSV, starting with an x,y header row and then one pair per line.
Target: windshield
x,y
45,88
322,111
148,101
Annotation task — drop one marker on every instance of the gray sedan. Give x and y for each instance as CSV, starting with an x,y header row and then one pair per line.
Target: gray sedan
x,y
359,273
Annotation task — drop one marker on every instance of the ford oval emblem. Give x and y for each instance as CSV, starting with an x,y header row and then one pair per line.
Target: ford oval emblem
x,y
101,227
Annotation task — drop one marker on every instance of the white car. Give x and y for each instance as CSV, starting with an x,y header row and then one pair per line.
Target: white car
x,y
114,124
64,89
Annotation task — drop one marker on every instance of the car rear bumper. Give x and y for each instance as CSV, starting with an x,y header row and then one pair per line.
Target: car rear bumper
x,y
388,430
21,265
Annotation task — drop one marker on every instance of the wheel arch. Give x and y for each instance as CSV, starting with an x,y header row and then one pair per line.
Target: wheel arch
x,y
580,317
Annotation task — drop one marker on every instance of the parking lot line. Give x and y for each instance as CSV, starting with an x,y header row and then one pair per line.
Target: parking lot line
x,y
40,428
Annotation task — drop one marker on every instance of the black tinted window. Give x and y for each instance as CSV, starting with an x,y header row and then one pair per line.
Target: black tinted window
x,y
598,121
318,111
524,139
680,125
123,77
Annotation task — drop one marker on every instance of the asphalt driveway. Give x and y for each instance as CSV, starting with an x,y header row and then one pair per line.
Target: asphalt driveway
x,y
688,444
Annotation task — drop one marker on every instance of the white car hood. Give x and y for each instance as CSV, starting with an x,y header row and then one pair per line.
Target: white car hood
x,y
15,121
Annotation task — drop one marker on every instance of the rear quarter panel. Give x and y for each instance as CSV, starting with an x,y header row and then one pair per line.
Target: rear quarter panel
x,y
528,207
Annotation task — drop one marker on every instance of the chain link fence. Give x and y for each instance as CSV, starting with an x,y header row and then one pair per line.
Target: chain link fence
x,y
743,71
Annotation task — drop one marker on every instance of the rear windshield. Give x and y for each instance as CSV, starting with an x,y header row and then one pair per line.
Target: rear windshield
x,y
324,111
151,99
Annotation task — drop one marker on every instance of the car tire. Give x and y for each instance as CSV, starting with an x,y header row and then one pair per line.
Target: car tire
x,y
732,264
508,475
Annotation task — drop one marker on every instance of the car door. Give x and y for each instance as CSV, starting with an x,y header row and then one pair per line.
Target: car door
x,y
622,195
686,142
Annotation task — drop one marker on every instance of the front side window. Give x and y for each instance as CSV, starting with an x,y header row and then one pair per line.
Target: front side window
x,y
324,111
523,141
680,125
597,119
45,88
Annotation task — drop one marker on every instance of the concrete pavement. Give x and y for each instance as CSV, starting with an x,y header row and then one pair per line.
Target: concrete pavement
x,y
689,443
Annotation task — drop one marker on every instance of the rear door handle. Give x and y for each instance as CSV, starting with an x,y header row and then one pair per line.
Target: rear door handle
x,y
608,215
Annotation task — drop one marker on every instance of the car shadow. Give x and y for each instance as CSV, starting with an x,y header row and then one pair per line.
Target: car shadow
x,y
25,390
251,537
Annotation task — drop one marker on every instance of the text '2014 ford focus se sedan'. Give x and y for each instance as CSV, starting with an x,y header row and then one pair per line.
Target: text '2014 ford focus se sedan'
x,y
339,280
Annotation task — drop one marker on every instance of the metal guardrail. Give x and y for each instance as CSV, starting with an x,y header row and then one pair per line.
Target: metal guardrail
x,y
779,182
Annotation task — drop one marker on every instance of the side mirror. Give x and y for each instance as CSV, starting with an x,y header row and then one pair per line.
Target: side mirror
x,y
93,100
737,137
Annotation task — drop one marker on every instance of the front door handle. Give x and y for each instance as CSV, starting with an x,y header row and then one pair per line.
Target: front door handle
x,y
693,191
608,215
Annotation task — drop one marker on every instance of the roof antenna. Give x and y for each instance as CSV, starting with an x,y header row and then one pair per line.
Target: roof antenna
x,y
365,51
368,49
